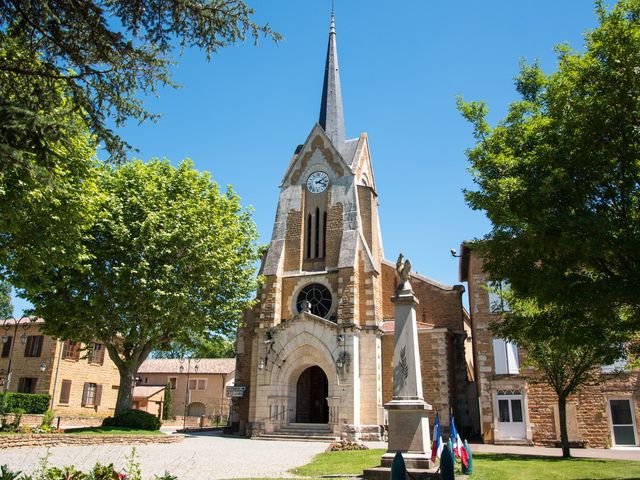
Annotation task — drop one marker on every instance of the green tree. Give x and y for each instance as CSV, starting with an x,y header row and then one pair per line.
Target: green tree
x,y
6,307
210,346
168,255
108,55
47,185
558,177
567,347
167,411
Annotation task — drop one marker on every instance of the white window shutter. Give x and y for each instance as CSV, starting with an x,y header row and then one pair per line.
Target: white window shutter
x,y
512,358
500,356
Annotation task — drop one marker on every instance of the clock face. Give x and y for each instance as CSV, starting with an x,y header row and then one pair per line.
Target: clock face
x,y
318,182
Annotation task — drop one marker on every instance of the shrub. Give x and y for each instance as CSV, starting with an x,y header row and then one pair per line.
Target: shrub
x,y
29,402
47,418
134,419
344,445
168,403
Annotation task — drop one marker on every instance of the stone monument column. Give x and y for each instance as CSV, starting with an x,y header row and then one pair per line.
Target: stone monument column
x,y
407,411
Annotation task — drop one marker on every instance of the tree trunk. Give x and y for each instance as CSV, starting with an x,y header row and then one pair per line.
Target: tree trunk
x,y
128,370
564,436
125,392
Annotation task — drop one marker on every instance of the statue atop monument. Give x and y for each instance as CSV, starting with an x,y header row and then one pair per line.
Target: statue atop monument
x,y
403,270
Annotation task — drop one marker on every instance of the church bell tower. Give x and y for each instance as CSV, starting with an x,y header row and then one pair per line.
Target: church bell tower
x,y
309,353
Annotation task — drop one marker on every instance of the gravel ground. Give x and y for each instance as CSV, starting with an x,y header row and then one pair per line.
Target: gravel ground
x,y
201,457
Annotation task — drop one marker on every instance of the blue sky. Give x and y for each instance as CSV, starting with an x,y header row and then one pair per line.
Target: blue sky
x,y
241,115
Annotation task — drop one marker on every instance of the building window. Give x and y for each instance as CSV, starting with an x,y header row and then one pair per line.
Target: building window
x,y
197,384
6,346
505,357
91,395
622,422
315,234
497,304
174,382
71,350
308,236
318,297
97,353
34,346
27,385
65,392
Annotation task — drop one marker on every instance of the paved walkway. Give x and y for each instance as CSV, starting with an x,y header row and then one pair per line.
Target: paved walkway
x,y
201,457
212,456
630,453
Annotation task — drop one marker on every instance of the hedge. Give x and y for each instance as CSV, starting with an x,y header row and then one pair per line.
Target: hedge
x,y
133,419
29,402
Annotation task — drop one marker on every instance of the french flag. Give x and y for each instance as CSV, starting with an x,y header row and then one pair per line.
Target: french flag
x,y
437,446
458,447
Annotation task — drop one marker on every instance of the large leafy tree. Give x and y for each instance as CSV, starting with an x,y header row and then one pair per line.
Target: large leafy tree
x,y
47,186
559,176
169,257
107,55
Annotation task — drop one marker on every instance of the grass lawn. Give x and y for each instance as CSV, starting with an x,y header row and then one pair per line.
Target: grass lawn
x,y
112,431
345,463
486,467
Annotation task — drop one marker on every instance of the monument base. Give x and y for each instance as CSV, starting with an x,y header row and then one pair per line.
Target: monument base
x,y
420,461
384,473
408,433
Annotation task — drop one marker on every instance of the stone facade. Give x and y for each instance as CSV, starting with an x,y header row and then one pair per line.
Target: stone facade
x,y
589,419
79,381
208,398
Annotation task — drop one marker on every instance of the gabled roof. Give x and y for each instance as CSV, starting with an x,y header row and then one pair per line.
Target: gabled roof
x,y
311,143
172,365
144,391
428,280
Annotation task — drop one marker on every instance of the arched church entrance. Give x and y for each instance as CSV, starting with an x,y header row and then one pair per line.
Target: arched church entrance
x,y
312,390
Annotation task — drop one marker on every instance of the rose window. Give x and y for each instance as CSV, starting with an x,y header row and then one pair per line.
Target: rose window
x,y
319,299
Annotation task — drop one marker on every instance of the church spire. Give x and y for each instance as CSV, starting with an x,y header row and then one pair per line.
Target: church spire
x,y
331,115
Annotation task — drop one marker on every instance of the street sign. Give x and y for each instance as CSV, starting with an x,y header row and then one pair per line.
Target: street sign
x,y
235,391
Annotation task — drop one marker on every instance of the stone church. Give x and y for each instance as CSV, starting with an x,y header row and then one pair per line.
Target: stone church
x,y
314,355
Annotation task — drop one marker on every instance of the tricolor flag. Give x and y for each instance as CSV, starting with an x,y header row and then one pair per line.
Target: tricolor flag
x,y
437,445
458,448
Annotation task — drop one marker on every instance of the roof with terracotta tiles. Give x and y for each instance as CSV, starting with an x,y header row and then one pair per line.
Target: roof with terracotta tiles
x,y
146,391
172,365
388,326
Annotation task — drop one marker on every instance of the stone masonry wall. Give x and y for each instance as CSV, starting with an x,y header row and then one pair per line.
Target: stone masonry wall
x,y
334,234
435,360
438,306
591,408
593,422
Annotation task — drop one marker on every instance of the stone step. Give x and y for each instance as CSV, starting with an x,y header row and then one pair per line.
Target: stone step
x,y
305,427
297,437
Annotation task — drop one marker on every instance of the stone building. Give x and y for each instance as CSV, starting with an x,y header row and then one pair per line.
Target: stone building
x,y
517,407
201,384
81,379
315,353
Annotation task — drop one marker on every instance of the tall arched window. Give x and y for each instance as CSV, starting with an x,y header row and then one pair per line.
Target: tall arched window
x,y
308,236
317,239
